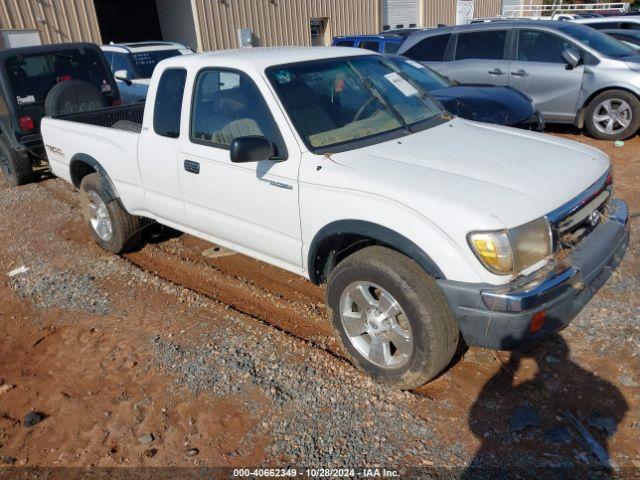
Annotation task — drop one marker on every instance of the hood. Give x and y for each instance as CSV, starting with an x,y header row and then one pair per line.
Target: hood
x,y
483,176
484,103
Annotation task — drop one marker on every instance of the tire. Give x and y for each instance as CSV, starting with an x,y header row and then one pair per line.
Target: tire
x,y
424,315
127,126
597,110
73,96
17,169
123,232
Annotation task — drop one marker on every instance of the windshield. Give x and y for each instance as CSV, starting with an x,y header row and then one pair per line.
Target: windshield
x,y
33,76
345,100
427,78
145,62
601,42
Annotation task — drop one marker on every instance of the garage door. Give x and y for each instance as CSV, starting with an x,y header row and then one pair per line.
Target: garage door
x,y
400,13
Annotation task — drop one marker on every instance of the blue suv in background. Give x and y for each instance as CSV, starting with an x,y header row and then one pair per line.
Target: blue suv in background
x,y
388,44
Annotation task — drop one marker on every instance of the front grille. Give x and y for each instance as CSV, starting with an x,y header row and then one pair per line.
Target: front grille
x,y
573,221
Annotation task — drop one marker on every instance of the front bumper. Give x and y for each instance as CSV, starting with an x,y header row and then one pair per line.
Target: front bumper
x,y
500,318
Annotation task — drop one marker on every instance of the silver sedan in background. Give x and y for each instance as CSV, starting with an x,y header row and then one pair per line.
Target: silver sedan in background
x,y
574,74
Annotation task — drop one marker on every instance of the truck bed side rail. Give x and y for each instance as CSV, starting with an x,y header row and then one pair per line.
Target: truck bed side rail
x,y
106,117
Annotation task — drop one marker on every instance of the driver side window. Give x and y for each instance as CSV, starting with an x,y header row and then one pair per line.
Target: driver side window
x,y
538,46
228,105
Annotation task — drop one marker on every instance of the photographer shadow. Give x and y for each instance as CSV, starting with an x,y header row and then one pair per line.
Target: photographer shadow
x,y
523,419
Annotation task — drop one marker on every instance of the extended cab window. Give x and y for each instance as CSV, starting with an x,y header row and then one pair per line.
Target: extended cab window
x,y
168,105
390,47
228,105
373,46
430,49
483,45
537,46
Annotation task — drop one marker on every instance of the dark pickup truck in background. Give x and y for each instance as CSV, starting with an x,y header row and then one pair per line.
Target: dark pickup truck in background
x,y
46,80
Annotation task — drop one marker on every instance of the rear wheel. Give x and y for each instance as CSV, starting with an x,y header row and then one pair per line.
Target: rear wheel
x,y
391,317
17,169
111,226
613,115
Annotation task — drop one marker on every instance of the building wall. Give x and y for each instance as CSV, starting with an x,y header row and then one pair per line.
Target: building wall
x,y
444,11
57,20
177,24
281,22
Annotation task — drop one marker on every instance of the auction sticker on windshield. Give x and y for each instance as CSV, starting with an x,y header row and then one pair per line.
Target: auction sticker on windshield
x,y
401,84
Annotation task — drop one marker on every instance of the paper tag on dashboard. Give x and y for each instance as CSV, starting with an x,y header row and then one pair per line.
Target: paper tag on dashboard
x,y
401,84
415,64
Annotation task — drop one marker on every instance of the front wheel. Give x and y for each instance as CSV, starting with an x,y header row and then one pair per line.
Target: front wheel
x,y
111,225
613,115
391,317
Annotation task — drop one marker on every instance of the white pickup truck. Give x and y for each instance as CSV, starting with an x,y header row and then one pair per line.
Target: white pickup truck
x,y
330,163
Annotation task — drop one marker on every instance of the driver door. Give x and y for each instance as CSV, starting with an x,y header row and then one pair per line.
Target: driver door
x,y
540,71
249,207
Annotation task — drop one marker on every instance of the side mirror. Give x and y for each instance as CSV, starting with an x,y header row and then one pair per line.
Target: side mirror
x,y
123,76
251,148
572,57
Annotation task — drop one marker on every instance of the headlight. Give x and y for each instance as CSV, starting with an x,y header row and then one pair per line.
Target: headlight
x,y
511,251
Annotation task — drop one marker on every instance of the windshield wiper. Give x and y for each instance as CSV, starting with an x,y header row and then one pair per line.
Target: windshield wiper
x,y
374,91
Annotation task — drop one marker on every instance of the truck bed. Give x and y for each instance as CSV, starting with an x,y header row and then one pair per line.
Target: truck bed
x,y
107,117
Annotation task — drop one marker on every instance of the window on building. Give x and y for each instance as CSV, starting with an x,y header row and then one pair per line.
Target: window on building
x,y
431,49
483,45
168,104
319,32
537,46
228,105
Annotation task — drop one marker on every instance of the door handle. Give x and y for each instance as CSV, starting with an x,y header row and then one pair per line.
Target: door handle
x,y
495,71
192,167
520,73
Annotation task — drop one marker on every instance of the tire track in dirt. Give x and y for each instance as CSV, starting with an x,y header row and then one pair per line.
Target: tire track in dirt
x,y
265,293
270,295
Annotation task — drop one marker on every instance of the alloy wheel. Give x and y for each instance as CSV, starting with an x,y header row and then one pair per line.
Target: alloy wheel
x,y
99,217
376,324
612,116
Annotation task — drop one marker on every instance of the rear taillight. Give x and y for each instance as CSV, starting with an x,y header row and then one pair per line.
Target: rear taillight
x,y
63,78
26,123
116,102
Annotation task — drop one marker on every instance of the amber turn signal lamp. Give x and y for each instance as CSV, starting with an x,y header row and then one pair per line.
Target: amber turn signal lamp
x,y
537,322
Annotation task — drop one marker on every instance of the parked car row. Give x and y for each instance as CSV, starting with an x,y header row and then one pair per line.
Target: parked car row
x,y
571,73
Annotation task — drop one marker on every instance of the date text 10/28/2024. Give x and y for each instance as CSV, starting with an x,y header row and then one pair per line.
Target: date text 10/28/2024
x,y
316,473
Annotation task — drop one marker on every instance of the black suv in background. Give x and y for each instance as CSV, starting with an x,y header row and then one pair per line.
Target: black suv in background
x,y
46,80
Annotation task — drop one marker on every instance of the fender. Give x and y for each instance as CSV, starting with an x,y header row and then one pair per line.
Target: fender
x,y
88,160
378,233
